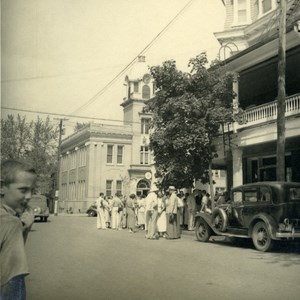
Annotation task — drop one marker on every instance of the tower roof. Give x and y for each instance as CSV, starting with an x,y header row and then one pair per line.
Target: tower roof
x,y
138,70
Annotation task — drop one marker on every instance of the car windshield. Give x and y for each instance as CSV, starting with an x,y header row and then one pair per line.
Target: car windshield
x,y
40,201
295,193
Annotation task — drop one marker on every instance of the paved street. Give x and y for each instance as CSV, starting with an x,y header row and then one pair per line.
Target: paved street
x,y
70,259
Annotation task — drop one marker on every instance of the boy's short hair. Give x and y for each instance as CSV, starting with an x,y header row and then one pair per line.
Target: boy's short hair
x,y
10,167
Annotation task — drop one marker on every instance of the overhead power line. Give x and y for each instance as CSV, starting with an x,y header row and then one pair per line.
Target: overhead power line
x,y
67,115
101,92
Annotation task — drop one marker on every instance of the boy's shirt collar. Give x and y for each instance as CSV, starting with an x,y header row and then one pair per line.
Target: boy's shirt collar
x,y
9,210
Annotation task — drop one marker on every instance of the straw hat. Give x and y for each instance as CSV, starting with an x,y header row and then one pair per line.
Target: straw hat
x,y
172,188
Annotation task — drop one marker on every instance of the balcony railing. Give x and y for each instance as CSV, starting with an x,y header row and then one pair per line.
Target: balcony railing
x,y
268,112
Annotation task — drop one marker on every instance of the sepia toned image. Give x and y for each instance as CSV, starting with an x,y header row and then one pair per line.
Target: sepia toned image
x,y
150,149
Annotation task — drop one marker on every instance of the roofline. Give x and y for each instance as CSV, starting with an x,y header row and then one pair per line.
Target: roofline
x,y
271,38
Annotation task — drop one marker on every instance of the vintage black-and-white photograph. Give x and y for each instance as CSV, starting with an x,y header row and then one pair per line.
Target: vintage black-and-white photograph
x,y
150,149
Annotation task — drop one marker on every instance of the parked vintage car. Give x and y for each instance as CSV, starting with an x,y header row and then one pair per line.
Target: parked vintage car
x,y
92,211
38,203
262,211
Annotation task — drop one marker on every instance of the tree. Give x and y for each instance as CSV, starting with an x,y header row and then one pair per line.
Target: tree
x,y
43,143
35,141
15,137
188,110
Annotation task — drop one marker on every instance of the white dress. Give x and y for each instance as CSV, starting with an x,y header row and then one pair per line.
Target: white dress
x,y
162,219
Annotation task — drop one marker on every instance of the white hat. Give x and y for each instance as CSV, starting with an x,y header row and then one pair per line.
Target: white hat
x,y
172,187
154,189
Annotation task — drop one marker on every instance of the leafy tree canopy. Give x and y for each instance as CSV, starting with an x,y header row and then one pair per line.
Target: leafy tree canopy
x,y
34,141
188,109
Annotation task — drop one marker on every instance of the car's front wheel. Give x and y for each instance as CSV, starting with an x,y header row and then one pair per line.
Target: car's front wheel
x,y
261,237
219,219
202,230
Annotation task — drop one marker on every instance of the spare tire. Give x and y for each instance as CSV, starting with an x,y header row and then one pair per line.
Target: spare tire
x,y
219,219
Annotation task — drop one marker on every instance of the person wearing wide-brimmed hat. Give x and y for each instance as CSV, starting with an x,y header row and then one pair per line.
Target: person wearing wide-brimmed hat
x,y
151,214
171,212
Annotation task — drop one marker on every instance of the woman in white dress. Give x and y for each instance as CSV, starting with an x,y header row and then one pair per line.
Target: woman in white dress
x,y
141,212
162,219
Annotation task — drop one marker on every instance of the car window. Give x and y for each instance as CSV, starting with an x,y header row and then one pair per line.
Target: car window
x,y
250,195
265,194
295,194
38,201
237,197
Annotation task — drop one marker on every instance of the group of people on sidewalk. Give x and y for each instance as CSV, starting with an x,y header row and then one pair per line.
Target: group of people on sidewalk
x,y
160,214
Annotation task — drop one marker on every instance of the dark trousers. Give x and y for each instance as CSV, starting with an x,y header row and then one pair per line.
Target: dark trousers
x,y
14,289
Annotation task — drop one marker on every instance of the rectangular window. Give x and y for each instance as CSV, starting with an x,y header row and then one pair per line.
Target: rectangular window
x,y
242,11
109,158
136,87
266,6
119,187
295,193
120,155
222,173
144,155
145,124
109,184
237,197
251,195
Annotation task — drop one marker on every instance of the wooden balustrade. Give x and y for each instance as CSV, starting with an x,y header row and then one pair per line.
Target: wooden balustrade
x,y
266,112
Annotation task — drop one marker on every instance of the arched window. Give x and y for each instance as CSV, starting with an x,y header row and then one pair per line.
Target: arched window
x,y
143,187
146,92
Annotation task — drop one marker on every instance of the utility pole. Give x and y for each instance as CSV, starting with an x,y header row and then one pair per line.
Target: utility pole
x,y
58,163
280,166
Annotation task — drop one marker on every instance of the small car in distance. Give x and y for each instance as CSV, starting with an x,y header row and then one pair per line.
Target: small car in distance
x,y
262,211
92,211
40,208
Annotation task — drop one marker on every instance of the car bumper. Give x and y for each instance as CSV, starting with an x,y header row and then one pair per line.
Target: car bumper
x,y
41,215
288,235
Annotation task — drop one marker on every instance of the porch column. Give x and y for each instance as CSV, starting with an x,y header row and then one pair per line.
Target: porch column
x,y
235,100
237,166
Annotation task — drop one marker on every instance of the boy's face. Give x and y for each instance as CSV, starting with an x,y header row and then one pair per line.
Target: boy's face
x,y
18,193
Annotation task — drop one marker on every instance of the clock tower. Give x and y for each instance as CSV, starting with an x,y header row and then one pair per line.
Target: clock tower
x,y
139,87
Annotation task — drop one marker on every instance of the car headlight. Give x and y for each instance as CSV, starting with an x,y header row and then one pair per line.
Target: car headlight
x,y
36,210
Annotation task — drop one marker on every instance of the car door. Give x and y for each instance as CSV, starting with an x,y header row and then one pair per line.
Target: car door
x,y
251,205
237,207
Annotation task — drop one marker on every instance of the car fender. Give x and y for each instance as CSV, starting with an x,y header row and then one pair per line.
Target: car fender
x,y
207,218
269,221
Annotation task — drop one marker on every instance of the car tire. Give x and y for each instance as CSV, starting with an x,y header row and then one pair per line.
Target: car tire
x,y
261,237
45,219
202,230
219,219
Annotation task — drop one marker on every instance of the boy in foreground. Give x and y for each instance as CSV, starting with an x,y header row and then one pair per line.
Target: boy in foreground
x,y
17,182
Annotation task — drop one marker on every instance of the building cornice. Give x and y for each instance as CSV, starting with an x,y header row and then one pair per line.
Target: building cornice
x,y
130,100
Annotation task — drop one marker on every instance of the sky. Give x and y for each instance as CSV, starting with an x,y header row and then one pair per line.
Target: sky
x,y
57,55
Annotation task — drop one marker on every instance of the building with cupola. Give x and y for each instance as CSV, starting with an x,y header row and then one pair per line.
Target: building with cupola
x,y
249,47
113,158
110,158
